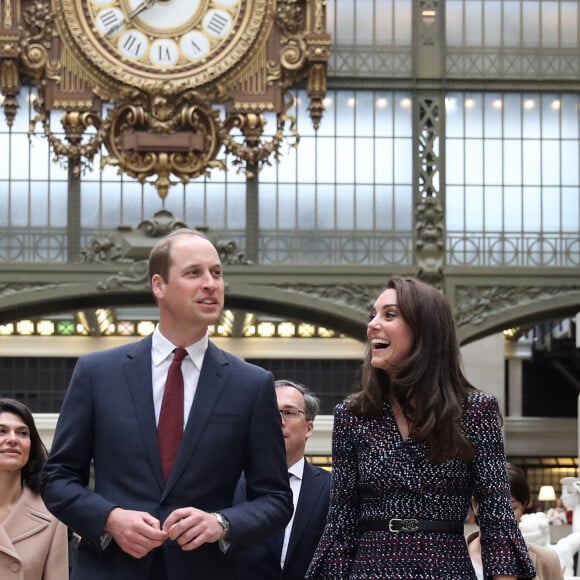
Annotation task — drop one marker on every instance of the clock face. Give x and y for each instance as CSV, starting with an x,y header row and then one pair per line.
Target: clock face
x,y
155,41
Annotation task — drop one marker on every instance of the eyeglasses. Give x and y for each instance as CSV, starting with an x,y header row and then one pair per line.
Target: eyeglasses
x,y
291,413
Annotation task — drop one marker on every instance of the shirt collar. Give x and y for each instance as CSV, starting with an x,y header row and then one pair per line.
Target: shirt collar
x,y
161,348
297,470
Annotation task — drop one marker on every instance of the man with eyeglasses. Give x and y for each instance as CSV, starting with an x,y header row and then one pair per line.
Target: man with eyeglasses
x,y
287,556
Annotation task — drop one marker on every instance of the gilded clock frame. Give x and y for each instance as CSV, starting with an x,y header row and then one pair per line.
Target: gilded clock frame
x,y
162,129
249,33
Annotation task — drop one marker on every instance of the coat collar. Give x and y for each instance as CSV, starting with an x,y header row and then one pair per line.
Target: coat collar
x,y
27,518
139,379
312,486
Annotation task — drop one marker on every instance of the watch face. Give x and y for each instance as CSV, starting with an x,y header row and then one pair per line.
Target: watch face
x,y
155,41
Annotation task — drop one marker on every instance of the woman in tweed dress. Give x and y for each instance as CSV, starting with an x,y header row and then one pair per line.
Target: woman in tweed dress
x,y
410,449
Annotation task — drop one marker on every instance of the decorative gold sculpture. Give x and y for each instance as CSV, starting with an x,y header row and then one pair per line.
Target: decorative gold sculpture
x,y
185,82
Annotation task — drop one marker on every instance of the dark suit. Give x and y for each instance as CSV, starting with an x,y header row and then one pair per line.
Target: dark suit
x,y
261,561
108,414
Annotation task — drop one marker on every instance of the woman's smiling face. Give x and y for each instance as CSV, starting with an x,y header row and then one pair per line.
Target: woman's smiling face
x,y
389,336
14,442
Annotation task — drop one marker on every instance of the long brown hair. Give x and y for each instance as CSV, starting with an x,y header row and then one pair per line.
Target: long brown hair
x,y
519,486
429,385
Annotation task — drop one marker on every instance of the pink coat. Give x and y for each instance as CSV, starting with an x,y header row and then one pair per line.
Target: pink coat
x,y
33,543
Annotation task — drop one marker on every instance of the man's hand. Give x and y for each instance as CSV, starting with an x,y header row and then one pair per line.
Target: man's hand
x,y
191,528
136,533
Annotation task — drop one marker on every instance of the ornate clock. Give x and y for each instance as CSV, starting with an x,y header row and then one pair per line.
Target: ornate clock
x,y
167,87
149,43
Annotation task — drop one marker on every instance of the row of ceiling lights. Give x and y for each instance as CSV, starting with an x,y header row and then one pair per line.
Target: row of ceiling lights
x,y
101,322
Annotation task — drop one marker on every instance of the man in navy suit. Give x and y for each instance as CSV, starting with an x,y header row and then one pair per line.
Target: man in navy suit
x,y
136,523
286,556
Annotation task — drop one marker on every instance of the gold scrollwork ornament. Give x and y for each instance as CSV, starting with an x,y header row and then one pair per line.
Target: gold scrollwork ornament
x,y
151,135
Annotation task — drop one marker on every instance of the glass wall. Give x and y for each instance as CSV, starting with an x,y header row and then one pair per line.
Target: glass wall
x,y
346,194
512,179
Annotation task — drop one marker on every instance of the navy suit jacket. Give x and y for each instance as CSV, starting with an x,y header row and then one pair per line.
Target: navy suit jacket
x,y
108,417
261,561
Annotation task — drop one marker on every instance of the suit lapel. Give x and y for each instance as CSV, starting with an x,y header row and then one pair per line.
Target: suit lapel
x,y
139,379
209,389
6,546
307,500
275,542
23,521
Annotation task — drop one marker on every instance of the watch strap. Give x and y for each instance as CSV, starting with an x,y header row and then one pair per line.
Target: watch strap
x,y
225,524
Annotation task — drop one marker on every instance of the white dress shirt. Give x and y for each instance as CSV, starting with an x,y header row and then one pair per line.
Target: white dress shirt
x,y
161,358
295,472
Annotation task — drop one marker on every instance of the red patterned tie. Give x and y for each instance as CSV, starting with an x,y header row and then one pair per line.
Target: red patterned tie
x,y
170,428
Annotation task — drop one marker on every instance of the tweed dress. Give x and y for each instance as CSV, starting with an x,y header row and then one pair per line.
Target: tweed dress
x,y
378,475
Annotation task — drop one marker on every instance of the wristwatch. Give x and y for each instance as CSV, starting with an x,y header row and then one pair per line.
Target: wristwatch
x,y
225,524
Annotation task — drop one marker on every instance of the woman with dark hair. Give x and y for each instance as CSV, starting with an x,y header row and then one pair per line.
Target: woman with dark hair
x,y
33,543
546,560
410,449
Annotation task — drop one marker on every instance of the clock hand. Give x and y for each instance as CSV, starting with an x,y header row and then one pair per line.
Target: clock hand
x,y
137,10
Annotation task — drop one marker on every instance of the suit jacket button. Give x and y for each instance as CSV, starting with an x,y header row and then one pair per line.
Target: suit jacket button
x,y
15,566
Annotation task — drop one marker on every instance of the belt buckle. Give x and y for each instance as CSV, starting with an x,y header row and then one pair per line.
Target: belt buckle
x,y
408,525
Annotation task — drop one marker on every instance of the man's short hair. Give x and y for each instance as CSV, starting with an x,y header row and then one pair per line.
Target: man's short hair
x,y
160,256
311,401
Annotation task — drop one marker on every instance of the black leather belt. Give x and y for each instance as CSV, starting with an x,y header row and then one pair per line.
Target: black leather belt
x,y
411,525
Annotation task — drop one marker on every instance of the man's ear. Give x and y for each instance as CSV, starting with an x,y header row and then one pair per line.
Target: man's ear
x,y
157,285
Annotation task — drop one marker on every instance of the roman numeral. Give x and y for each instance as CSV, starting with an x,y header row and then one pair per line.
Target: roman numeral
x,y
217,23
132,45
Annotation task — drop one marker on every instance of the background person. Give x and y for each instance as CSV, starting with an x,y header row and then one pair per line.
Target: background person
x,y
169,521
571,499
287,555
33,543
546,560
409,450
557,515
